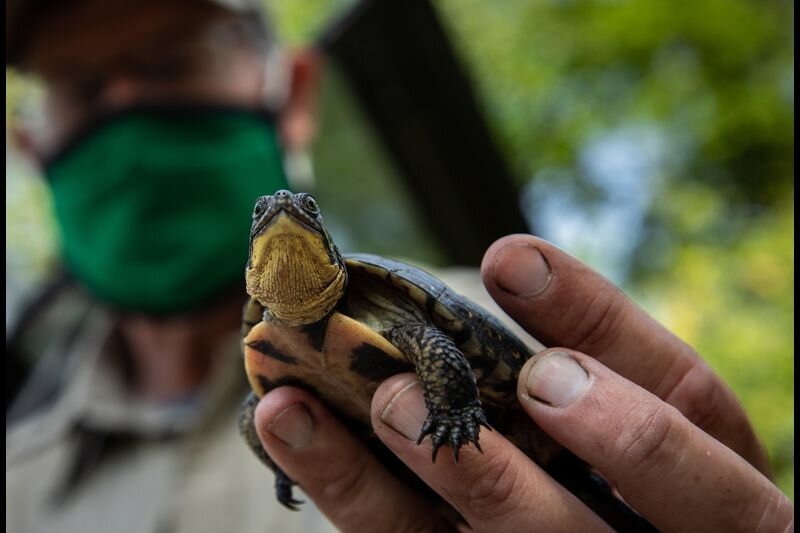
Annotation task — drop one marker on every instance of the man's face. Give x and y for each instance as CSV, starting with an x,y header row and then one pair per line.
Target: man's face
x,y
148,203
169,65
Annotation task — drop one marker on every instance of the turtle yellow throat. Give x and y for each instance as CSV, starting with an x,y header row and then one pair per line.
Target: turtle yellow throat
x,y
292,275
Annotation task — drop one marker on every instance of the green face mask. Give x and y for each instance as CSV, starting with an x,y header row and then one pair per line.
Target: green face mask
x,y
155,206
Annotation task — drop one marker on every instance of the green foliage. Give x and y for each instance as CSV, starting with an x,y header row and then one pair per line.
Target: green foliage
x,y
735,305
715,258
30,230
298,23
716,73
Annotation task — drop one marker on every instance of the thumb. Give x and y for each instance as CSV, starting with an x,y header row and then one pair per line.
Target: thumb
x,y
659,461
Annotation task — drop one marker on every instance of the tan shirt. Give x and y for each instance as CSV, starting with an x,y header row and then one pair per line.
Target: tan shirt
x,y
160,470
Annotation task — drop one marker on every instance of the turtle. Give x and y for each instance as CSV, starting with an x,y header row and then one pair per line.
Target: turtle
x,y
338,325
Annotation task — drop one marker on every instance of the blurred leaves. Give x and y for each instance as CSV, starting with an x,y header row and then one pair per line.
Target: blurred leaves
x,y
735,305
657,139
30,229
713,258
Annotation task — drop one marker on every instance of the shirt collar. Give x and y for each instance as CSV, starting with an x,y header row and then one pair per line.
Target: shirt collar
x,y
98,397
104,415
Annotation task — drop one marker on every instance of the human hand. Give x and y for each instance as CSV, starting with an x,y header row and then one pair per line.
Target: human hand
x,y
643,409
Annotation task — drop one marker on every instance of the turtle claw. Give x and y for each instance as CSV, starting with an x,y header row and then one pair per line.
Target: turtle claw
x,y
427,429
283,491
456,429
481,417
434,452
290,503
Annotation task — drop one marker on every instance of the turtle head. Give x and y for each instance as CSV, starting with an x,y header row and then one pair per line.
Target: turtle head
x,y
293,269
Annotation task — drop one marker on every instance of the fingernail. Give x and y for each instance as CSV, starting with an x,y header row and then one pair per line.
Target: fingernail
x,y
521,270
406,412
293,426
557,380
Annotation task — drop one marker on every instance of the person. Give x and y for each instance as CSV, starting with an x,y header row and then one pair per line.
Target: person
x,y
162,122
616,388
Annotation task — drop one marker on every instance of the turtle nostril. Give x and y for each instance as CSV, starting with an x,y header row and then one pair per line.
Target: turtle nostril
x,y
283,197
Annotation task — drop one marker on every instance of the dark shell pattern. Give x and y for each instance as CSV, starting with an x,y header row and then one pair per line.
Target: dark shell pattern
x,y
383,293
495,354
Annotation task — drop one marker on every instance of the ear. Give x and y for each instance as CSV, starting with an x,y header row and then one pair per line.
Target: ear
x,y
120,91
23,142
299,116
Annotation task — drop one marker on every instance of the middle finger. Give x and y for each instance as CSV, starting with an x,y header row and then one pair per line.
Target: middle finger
x,y
562,302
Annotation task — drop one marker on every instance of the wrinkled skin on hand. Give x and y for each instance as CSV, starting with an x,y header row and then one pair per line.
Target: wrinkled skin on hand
x,y
620,391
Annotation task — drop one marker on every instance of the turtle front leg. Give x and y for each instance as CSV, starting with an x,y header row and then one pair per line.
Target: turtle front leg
x,y
247,427
451,393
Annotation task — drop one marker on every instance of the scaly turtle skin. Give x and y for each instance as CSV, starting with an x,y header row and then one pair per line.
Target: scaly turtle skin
x,y
338,326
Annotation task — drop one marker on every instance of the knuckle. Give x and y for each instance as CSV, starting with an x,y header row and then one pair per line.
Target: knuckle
x,y
646,437
711,405
773,512
493,487
343,481
704,406
596,324
703,399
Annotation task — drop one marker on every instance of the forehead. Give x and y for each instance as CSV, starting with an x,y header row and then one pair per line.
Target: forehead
x,y
120,25
160,42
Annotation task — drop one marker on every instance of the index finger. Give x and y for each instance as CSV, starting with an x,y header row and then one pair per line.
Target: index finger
x,y
562,302
347,483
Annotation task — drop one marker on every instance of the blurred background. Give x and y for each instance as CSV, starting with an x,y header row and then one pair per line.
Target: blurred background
x,y
654,141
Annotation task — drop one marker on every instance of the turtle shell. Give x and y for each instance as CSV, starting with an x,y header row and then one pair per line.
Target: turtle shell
x,y
344,357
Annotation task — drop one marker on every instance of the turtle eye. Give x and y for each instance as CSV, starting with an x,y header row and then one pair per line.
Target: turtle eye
x,y
310,204
258,210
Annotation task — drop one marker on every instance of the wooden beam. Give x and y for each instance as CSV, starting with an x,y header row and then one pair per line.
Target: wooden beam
x,y
399,62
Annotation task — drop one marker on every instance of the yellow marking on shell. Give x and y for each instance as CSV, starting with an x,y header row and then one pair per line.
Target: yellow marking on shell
x,y
416,293
471,346
492,389
327,371
291,273
443,312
